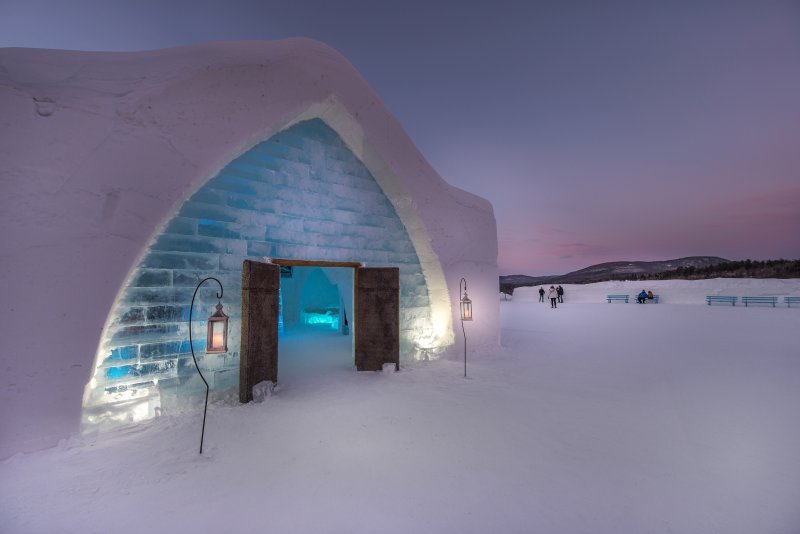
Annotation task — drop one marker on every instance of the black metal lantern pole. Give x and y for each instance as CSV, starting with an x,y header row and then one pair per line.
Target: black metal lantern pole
x,y
191,346
465,305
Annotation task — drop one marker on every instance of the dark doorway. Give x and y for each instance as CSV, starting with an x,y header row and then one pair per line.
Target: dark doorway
x,y
374,320
314,338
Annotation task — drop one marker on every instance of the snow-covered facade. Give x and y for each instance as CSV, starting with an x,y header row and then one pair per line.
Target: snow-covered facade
x,y
129,177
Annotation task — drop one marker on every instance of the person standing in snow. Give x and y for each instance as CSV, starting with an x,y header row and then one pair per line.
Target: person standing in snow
x,y
560,291
552,294
541,294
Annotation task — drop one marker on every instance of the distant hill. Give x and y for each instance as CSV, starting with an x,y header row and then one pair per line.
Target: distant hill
x,y
691,268
632,270
733,269
615,270
521,280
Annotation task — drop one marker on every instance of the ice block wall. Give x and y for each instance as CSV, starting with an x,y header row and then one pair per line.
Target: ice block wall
x,y
301,194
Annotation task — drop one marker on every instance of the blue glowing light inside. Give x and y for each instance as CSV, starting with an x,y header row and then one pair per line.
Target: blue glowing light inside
x,y
280,311
118,372
319,319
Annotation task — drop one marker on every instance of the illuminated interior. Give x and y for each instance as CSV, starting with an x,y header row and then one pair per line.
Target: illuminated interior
x,y
316,298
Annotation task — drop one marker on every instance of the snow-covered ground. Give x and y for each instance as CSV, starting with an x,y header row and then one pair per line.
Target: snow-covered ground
x,y
595,417
673,291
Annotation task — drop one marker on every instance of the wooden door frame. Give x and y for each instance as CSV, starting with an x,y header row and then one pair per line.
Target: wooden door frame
x,y
379,299
259,346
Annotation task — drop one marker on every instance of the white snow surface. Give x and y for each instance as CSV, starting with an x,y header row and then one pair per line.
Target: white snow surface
x,y
594,417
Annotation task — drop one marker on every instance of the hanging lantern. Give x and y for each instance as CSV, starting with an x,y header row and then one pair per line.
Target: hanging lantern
x,y
466,306
217,342
466,315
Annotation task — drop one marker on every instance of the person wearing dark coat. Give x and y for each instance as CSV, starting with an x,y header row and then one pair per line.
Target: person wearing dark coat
x,y
560,291
642,297
541,294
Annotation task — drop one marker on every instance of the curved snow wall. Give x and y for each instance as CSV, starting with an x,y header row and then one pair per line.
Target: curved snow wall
x,y
302,194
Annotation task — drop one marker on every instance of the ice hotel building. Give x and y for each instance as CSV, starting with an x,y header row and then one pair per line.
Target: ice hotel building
x,y
129,177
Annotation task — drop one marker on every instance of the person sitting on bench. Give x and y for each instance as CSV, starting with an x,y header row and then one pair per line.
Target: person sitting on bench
x,y
642,297
650,295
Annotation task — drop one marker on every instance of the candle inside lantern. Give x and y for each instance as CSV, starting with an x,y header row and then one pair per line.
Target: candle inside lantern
x,y
216,338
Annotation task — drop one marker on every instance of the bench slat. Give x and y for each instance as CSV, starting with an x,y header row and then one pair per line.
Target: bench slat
x,y
791,300
721,299
760,300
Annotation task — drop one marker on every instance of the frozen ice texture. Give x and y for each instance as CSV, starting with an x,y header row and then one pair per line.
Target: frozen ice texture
x,y
300,194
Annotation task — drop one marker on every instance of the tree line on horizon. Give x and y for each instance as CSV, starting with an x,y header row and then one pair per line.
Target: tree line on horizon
x,y
730,269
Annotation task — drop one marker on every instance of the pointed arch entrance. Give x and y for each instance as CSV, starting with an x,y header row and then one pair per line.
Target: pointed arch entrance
x,y
301,193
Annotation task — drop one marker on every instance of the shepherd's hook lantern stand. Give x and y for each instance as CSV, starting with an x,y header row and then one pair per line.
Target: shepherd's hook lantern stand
x,y
216,342
466,315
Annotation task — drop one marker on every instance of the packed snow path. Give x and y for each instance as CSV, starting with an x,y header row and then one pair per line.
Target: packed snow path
x,y
592,418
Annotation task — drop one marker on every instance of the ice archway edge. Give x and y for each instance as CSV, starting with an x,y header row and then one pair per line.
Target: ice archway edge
x,y
438,333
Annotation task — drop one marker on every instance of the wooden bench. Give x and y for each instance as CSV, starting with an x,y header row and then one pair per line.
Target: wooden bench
x,y
759,300
654,300
791,300
718,299
612,298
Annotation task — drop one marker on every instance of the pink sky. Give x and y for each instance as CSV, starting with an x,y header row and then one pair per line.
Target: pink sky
x,y
600,131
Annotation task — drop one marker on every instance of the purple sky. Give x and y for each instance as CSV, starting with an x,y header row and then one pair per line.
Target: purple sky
x,y
599,131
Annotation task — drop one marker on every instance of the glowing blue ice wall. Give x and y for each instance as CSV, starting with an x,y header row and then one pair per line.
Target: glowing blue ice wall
x,y
302,194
